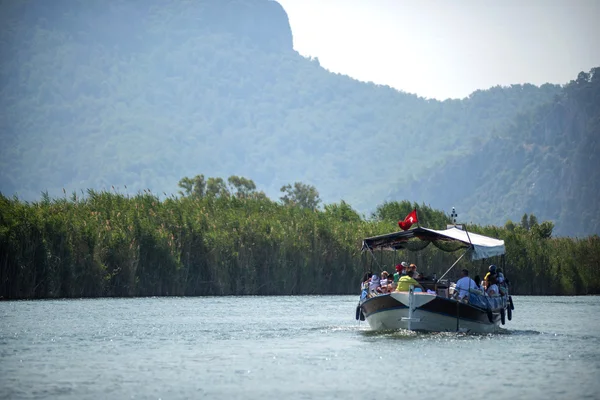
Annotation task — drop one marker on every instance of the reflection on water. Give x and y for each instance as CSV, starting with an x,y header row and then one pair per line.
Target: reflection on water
x,y
298,347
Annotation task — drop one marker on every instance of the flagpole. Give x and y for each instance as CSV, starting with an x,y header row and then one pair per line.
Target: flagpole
x,y
418,219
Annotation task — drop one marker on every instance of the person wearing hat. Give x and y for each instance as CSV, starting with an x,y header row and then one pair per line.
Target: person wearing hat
x,y
384,285
398,274
404,265
491,271
374,284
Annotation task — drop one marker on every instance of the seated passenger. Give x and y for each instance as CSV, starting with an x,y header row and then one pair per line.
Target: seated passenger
x,y
398,273
407,280
500,276
464,284
391,285
413,267
492,271
366,279
477,280
383,283
502,283
364,285
374,284
404,266
492,288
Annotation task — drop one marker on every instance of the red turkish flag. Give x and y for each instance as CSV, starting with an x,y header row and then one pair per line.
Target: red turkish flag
x,y
410,219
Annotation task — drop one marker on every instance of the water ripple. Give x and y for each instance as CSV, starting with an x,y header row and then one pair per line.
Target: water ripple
x,y
257,347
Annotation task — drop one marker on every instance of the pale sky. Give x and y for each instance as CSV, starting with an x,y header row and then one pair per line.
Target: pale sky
x,y
449,48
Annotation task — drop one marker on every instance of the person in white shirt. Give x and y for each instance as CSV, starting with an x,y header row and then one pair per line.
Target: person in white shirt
x,y
492,288
500,278
374,284
464,284
501,283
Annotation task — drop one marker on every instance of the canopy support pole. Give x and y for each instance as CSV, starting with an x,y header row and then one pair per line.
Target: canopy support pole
x,y
455,262
372,259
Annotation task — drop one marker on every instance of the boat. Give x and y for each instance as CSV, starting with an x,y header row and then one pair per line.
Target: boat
x,y
437,309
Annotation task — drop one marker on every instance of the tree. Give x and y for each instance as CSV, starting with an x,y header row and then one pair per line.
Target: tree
x,y
195,186
243,187
509,226
259,196
525,222
301,195
392,210
532,221
342,212
216,187
543,230
583,78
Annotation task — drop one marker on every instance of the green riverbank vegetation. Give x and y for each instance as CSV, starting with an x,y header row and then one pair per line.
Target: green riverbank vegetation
x,y
226,238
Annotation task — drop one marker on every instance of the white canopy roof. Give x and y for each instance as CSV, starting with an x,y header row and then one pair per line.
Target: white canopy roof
x,y
483,246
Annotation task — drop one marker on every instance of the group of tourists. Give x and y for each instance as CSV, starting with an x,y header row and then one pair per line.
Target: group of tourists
x,y
493,284
405,275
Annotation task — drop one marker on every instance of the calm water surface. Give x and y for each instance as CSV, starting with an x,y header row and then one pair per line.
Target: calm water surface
x,y
288,347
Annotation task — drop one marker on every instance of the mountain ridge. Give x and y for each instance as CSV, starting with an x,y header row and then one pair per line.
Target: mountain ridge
x,y
545,164
180,98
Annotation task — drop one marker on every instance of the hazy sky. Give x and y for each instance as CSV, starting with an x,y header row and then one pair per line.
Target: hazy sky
x,y
449,48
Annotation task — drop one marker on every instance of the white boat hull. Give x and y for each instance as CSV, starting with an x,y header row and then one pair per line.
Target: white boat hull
x,y
427,322
430,313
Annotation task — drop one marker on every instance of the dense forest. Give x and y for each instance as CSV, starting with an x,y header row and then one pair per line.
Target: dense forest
x,y
225,237
135,93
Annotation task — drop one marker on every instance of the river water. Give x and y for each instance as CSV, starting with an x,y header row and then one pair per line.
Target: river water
x,y
304,347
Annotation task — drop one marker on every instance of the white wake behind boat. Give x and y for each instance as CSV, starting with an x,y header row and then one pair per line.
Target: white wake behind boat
x,y
436,310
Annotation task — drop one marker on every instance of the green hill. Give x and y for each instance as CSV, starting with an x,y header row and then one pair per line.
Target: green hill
x,y
142,93
546,163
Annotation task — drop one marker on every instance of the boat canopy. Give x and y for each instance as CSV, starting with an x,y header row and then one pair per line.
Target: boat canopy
x,y
451,239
